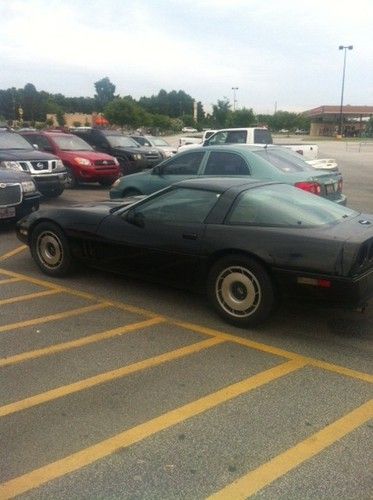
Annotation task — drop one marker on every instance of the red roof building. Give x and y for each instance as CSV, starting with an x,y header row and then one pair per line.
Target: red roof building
x,y
325,120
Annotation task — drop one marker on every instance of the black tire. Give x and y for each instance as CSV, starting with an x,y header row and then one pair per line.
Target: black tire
x,y
240,290
71,180
130,192
106,182
50,250
53,193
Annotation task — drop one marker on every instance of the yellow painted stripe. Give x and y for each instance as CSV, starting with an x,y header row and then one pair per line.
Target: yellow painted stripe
x,y
84,295
341,370
29,296
264,475
9,280
87,383
82,458
13,252
73,344
53,317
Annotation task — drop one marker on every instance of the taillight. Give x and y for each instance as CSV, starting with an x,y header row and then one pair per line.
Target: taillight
x,y
311,187
340,185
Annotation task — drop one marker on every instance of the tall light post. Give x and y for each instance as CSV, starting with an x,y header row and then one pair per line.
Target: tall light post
x,y
234,97
345,48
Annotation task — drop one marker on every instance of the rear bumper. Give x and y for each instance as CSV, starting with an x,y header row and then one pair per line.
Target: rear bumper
x,y
343,291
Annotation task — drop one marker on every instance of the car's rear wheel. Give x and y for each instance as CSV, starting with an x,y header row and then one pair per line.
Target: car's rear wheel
x,y
240,290
50,249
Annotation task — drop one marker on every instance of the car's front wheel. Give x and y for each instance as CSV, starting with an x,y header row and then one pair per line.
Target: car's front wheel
x,y
240,290
50,249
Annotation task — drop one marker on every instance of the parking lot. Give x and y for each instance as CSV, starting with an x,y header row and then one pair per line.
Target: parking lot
x,y
116,388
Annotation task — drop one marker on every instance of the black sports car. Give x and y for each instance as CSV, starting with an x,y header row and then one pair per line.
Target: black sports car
x,y
244,242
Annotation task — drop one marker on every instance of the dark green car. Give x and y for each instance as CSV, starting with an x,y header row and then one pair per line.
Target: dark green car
x,y
273,163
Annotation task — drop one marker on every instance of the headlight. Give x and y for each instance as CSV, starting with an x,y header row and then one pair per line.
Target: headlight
x,y
116,162
116,183
13,165
28,186
137,156
82,161
60,165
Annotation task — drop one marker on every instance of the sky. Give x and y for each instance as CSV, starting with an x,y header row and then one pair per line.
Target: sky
x,y
280,54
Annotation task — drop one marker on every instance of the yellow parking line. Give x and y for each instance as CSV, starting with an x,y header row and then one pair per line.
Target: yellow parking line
x,y
73,344
29,296
341,370
53,317
9,280
82,458
13,252
264,475
87,383
84,295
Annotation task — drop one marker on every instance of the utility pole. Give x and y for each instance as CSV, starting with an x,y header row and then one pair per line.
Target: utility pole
x,y
345,48
234,97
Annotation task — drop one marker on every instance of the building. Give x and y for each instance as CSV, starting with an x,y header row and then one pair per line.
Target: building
x,y
325,120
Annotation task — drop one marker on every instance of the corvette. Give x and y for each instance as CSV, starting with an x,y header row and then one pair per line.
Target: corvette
x,y
245,243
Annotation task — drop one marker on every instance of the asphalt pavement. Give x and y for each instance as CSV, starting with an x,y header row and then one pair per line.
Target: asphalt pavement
x,y
116,388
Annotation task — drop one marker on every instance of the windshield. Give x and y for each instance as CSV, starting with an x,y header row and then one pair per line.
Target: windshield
x,y
157,141
13,141
285,160
71,143
284,205
121,141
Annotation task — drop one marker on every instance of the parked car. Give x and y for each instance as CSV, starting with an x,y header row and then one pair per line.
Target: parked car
x,y
270,163
243,242
158,143
132,157
82,162
46,169
189,129
18,195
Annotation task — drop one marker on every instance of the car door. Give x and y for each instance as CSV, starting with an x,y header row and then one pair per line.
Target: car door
x,y
161,238
182,166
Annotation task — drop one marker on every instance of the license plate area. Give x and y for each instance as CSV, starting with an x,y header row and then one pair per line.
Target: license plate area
x,y
7,212
331,188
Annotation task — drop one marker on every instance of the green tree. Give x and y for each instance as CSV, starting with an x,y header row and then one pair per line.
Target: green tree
x,y
125,111
105,91
60,118
220,113
241,118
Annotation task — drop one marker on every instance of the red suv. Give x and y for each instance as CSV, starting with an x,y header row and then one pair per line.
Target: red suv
x,y
82,162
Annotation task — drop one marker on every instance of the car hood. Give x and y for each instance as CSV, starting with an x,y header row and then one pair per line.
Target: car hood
x,y
128,149
89,155
25,155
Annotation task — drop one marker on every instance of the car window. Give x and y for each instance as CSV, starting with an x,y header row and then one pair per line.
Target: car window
x,y
220,163
285,160
186,164
142,141
41,141
236,137
218,138
179,206
283,205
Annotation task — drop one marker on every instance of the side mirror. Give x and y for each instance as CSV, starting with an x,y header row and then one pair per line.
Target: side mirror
x,y
35,146
135,218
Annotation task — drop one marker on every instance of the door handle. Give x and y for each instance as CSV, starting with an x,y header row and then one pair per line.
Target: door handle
x,y
190,236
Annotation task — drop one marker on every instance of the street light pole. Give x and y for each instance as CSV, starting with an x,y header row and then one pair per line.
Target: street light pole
x,y
234,97
345,48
